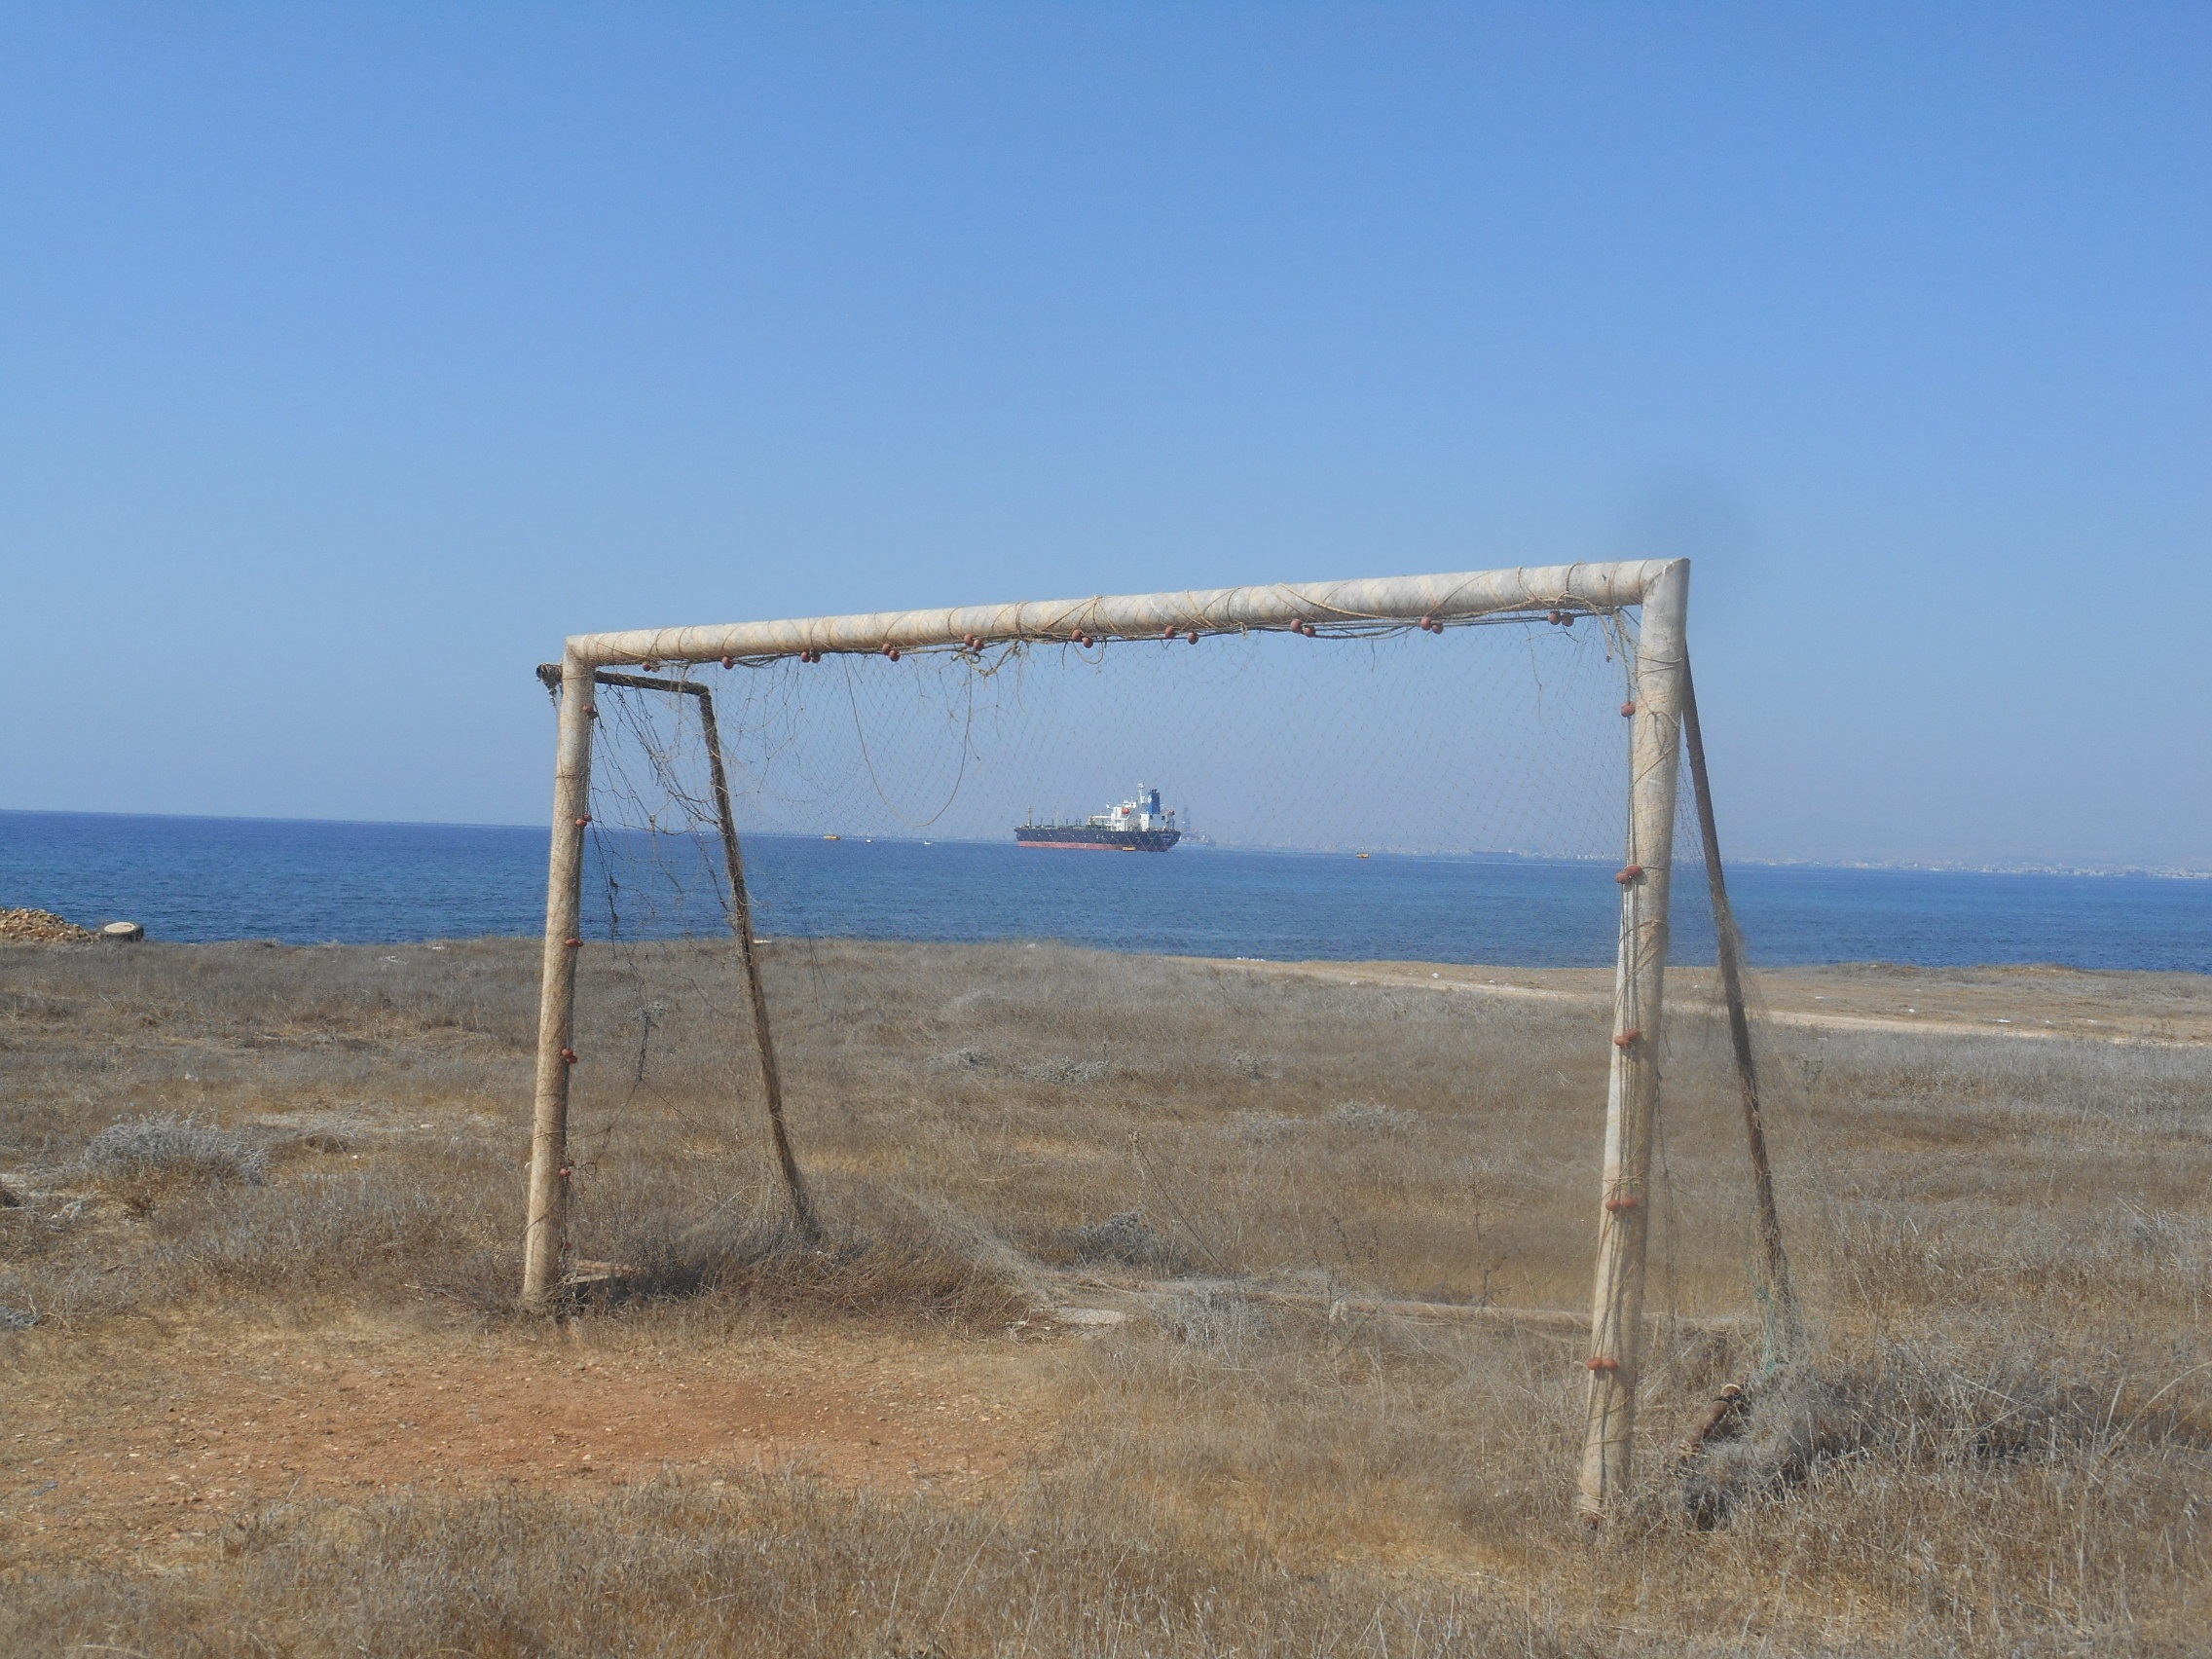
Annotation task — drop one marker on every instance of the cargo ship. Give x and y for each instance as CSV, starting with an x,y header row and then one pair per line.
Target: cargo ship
x,y
1136,826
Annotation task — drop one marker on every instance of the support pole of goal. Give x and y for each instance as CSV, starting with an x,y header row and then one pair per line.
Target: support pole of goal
x,y
547,1213
1784,1325
748,953
1632,1100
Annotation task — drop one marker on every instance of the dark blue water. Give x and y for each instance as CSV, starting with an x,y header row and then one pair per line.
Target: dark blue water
x,y
202,878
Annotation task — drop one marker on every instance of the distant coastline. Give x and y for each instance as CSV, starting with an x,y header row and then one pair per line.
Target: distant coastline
x,y
1934,867
1960,866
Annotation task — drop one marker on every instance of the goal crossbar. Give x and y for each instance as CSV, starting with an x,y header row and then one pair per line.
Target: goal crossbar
x,y
1585,588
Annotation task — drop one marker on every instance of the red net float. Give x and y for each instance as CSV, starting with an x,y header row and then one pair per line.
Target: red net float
x,y
584,820
891,651
729,662
1627,1039
568,1056
649,666
574,944
1169,631
1613,1206
1628,710
1599,1363
1191,636
1633,872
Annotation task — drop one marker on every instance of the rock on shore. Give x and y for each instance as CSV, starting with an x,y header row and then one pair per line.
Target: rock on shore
x,y
40,927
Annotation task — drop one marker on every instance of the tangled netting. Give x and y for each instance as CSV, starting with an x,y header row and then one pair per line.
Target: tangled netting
x,y
1427,793
1499,742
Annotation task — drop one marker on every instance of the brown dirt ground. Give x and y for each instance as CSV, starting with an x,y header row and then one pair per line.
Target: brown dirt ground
x,y
163,1450
2038,1000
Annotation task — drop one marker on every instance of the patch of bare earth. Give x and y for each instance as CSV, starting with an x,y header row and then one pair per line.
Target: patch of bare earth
x,y
116,1453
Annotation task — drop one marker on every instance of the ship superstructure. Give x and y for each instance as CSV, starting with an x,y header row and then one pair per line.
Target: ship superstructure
x,y
1136,826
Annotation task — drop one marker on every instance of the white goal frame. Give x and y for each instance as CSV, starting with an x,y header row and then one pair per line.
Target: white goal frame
x,y
1659,680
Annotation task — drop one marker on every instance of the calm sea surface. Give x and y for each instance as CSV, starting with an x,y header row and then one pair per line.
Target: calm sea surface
x,y
205,878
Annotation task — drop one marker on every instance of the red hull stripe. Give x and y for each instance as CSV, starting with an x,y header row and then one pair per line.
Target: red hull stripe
x,y
1094,846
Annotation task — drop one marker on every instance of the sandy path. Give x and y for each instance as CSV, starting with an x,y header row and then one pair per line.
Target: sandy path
x,y
148,1450
2162,1009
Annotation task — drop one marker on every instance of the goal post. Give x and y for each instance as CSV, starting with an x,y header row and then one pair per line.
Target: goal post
x,y
1632,1094
1656,589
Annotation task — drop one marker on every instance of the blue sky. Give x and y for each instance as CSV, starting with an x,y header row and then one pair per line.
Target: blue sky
x,y
350,356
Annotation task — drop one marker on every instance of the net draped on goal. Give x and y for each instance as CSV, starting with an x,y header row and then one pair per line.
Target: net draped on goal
x,y
1082,1053
1498,741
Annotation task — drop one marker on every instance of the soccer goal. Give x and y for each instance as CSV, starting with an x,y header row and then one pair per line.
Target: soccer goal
x,y
1348,796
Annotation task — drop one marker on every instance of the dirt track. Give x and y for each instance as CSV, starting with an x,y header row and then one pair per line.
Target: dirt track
x,y
2163,1008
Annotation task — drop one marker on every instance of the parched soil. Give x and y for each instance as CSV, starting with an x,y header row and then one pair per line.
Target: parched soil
x,y
138,1452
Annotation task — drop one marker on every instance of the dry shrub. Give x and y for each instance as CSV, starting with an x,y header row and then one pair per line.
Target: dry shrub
x,y
1124,1241
1908,1409
881,1253
173,1149
1216,1320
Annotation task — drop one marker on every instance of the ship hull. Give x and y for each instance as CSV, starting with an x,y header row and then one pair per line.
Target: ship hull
x,y
1083,839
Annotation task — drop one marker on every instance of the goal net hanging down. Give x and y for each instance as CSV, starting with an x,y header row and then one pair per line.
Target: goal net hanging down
x,y
1115,928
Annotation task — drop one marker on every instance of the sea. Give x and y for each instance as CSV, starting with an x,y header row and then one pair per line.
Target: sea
x,y
198,880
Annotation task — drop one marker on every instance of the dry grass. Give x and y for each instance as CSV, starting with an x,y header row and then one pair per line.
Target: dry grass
x,y
2000,1446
